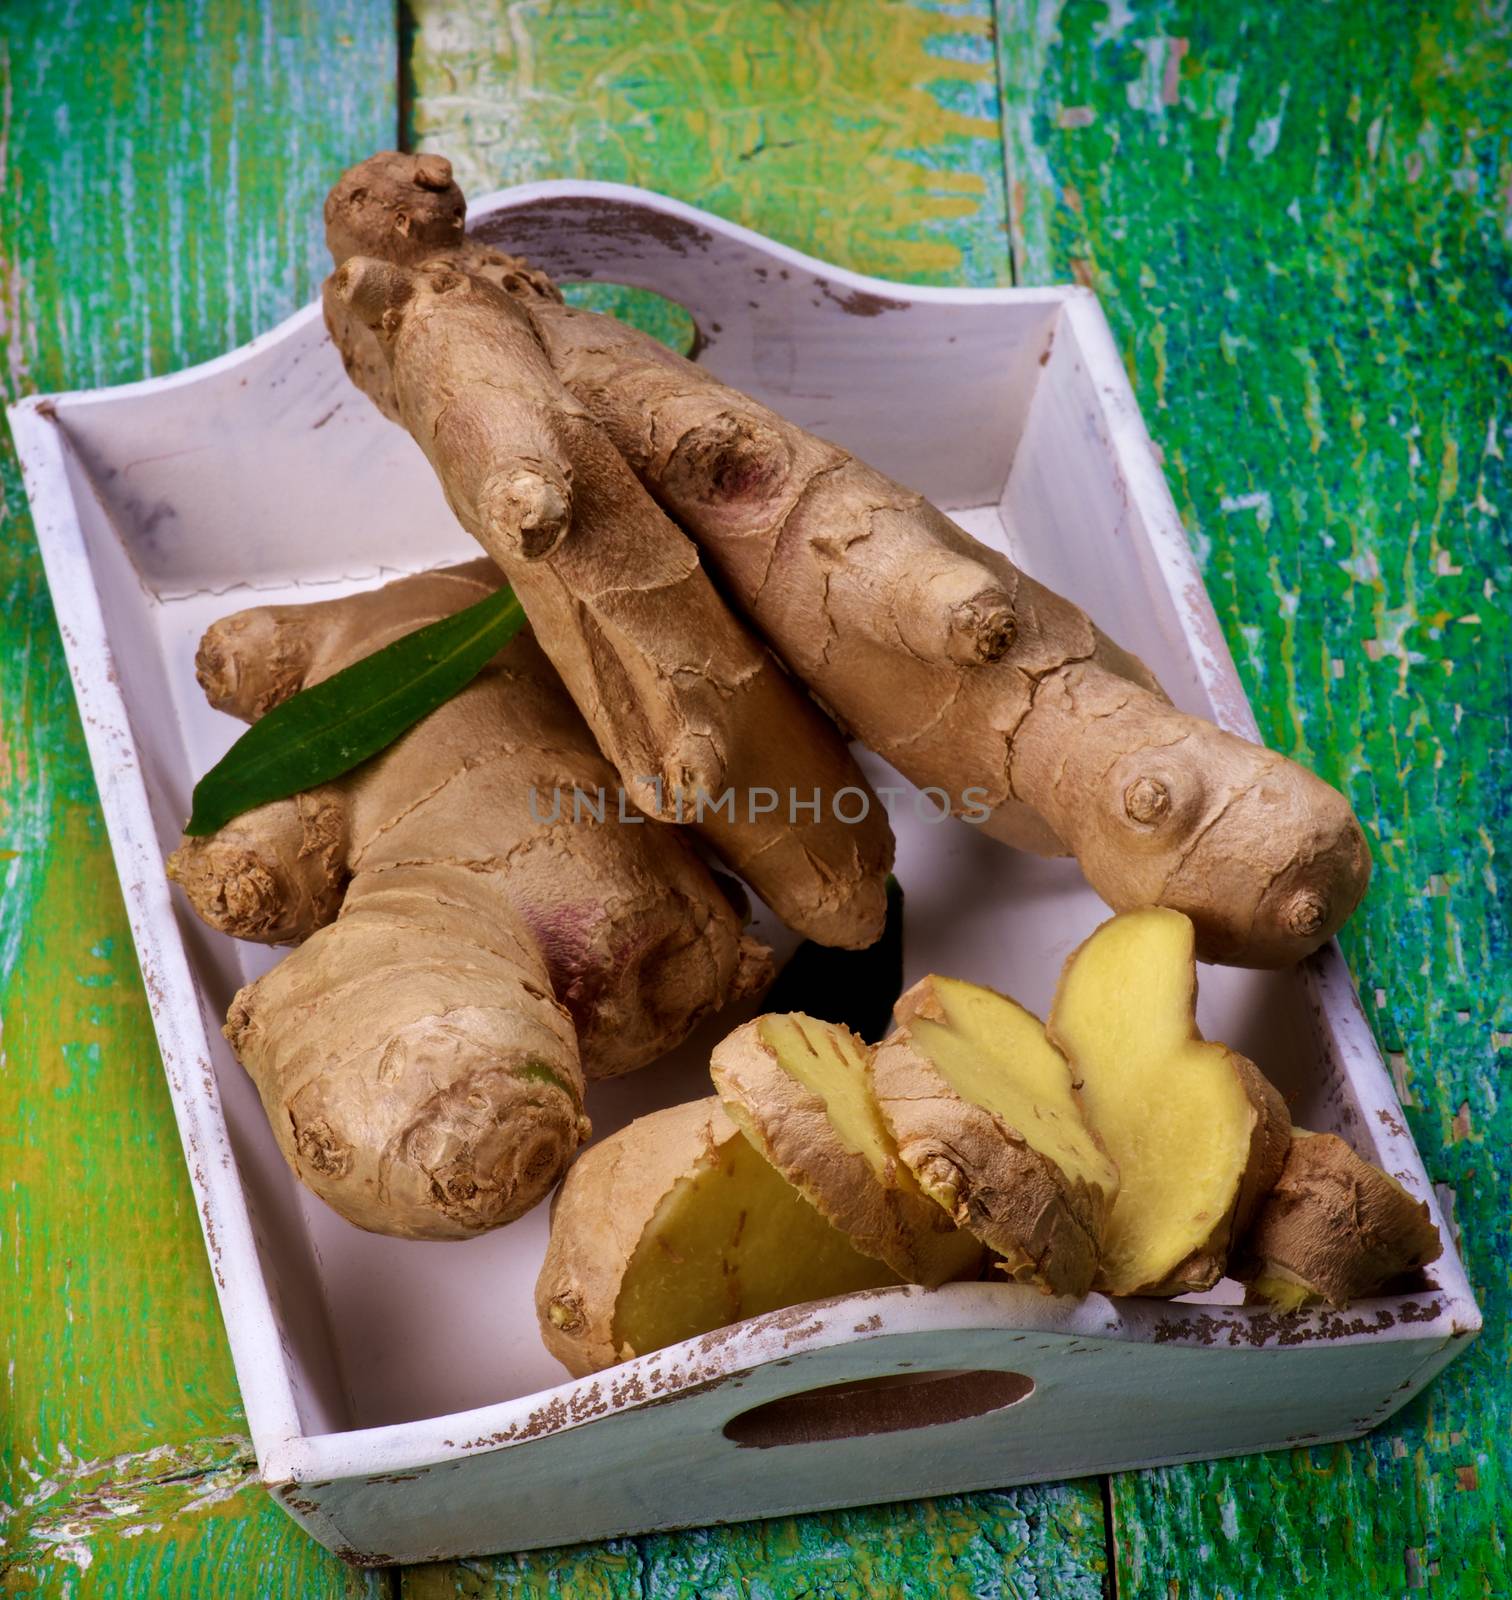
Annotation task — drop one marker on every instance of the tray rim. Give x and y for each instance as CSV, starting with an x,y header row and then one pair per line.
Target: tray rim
x,y
286,1453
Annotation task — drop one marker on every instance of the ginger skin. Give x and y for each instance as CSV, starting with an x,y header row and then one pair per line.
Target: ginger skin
x,y
1333,1230
890,612
414,1064
680,697
638,940
406,209
416,1071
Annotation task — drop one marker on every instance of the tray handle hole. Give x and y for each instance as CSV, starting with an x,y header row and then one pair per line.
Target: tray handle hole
x,y
652,313
892,1403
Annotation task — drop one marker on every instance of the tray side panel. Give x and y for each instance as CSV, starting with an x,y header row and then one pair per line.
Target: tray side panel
x,y
1096,1406
268,1390
277,468
1305,1028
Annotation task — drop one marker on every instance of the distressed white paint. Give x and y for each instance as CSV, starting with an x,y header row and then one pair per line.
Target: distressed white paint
x,y
400,1402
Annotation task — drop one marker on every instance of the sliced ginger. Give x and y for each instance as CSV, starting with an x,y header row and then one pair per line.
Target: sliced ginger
x,y
1197,1133
986,1117
1334,1229
798,1089
676,1226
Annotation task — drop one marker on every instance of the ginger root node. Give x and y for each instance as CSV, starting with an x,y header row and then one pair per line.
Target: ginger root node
x,y
982,629
730,458
528,508
251,896
1306,913
444,281
941,1179
565,1314
1147,800
433,172
318,1145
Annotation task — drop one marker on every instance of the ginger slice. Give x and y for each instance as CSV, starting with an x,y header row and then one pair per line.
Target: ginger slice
x,y
798,1089
1334,1229
1197,1133
676,1226
985,1116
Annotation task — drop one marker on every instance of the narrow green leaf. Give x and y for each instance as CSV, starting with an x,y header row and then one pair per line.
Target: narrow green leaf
x,y
853,987
331,727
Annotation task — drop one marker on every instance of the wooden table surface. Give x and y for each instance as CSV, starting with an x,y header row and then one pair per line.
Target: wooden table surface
x,y
1299,217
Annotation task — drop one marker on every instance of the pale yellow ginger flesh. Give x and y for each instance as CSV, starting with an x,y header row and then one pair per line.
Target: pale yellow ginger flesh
x,y
733,1240
985,1115
676,1226
1333,1230
798,1088
830,1061
1197,1133
994,1053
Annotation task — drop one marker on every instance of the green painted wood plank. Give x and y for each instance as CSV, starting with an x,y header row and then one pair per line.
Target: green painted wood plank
x,y
161,170
1298,218
1028,1544
865,133
170,1521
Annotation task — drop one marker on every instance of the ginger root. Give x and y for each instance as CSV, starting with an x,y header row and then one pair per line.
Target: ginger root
x,y
639,942
797,1088
1334,1229
964,673
416,1071
416,1068
1197,1133
822,1168
675,1226
416,1065
699,718
986,1117
931,648
404,209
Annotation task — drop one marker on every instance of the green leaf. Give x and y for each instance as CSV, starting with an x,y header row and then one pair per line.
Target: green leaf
x,y
333,726
853,987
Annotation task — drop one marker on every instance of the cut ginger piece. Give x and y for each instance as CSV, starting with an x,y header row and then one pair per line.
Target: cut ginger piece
x,y
675,1226
798,1089
986,1117
1333,1230
1197,1133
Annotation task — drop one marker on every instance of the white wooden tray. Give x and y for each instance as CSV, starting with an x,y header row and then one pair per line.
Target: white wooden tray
x,y
400,1401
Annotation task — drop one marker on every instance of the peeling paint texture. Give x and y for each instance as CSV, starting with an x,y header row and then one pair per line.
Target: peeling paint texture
x,y
161,172
1299,218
